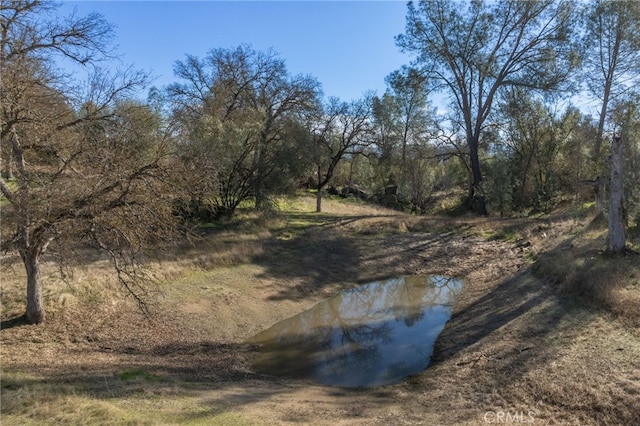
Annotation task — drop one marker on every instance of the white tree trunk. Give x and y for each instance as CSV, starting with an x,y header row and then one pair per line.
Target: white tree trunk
x,y
616,237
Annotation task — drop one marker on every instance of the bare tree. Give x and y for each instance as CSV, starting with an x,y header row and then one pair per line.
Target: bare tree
x,y
88,167
473,49
343,128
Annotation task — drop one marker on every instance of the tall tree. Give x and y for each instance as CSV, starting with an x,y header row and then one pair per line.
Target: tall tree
x,y
612,65
86,168
387,139
245,100
612,55
625,117
473,49
343,128
405,120
630,112
616,236
409,107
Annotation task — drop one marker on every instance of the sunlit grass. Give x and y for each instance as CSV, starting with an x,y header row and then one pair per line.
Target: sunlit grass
x,y
195,275
582,267
120,400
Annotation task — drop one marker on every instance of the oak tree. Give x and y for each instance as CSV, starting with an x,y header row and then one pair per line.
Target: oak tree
x,y
474,49
340,129
235,107
86,165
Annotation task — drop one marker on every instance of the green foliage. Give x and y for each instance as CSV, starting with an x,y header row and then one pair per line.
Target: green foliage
x,y
241,139
627,120
405,156
136,374
500,182
477,49
539,159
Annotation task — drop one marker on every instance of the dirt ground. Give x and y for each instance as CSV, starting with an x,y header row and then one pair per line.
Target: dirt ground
x,y
516,349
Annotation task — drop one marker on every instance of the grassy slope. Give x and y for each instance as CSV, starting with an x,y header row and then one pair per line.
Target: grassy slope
x,y
548,324
560,340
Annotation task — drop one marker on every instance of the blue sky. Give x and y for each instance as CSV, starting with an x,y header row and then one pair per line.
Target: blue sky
x,y
347,45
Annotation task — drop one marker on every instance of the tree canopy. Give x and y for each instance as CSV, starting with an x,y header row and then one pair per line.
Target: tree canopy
x,y
474,49
86,163
88,168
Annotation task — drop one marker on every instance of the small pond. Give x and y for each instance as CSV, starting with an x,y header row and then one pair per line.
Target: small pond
x,y
372,335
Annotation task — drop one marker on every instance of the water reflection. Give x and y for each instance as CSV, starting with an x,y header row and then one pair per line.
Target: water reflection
x,y
371,335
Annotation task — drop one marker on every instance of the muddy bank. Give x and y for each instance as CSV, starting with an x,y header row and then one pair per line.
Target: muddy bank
x,y
513,345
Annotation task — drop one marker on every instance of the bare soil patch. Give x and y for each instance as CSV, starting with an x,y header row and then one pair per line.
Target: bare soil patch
x,y
516,348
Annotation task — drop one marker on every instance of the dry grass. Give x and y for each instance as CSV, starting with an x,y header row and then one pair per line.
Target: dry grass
x,y
47,403
582,267
529,333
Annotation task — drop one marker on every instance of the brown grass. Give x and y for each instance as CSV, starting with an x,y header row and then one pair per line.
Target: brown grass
x,y
583,268
532,332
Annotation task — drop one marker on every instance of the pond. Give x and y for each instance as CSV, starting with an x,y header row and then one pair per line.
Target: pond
x,y
372,335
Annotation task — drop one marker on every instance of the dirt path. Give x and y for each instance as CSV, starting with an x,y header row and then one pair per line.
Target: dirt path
x,y
514,350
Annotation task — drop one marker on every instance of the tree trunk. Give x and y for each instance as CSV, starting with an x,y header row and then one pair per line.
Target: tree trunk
x,y
525,172
8,172
35,303
600,192
319,193
476,200
616,236
600,189
319,200
259,167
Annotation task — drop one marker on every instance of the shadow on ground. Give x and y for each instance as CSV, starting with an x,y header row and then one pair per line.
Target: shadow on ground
x,y
499,350
318,254
513,349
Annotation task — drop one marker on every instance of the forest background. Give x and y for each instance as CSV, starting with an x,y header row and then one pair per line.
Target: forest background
x,y
87,161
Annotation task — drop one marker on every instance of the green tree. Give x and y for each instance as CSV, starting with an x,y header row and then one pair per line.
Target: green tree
x,y
87,167
611,66
538,138
500,176
612,55
630,118
236,107
474,49
403,119
624,153
409,108
387,140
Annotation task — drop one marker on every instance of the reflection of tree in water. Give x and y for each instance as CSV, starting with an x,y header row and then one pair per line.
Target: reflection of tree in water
x,y
351,343
352,338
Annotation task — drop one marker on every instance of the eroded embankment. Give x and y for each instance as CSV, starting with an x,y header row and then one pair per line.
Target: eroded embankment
x,y
514,344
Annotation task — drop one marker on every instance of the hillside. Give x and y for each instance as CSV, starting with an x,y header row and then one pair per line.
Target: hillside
x,y
537,335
